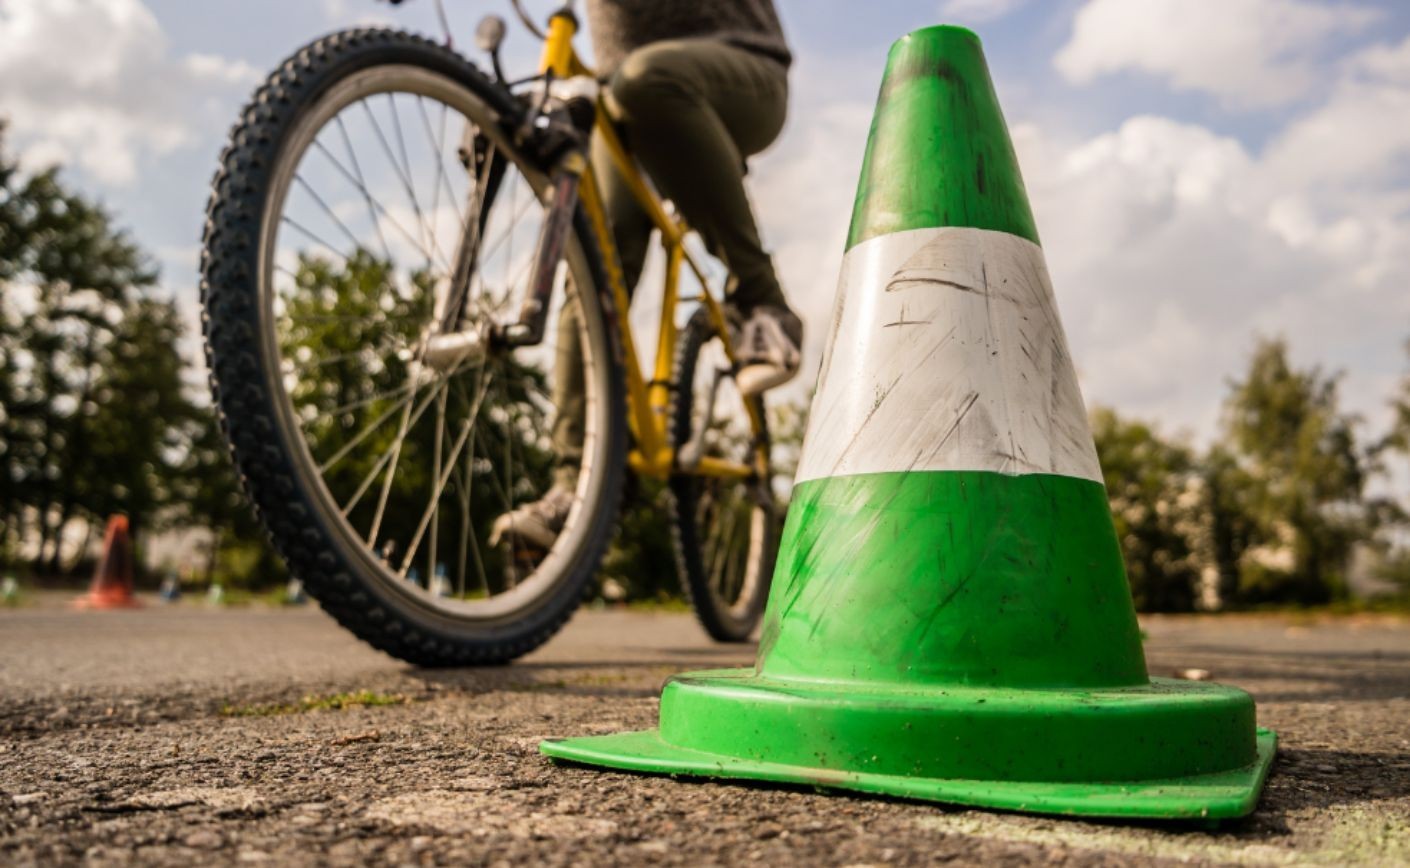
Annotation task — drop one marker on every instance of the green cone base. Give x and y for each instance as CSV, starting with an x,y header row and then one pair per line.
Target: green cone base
x,y
1172,749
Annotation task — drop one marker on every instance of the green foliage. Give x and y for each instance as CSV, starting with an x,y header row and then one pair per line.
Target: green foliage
x,y
89,369
1399,437
142,418
1394,544
1155,501
345,337
1394,569
97,414
1270,514
1298,475
641,559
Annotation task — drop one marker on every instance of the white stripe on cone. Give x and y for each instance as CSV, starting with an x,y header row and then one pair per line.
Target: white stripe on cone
x,y
947,354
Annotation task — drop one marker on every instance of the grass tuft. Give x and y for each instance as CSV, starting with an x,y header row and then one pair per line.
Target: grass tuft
x,y
333,702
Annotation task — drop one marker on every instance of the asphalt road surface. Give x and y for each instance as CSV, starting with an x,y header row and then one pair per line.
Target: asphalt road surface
x,y
183,734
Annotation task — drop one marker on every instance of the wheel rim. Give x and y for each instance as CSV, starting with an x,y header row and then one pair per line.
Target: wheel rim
x,y
410,463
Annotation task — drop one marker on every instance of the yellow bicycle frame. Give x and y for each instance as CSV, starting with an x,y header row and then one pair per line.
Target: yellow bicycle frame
x,y
648,402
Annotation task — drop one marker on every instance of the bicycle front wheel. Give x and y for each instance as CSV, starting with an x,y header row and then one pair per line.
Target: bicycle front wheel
x,y
369,202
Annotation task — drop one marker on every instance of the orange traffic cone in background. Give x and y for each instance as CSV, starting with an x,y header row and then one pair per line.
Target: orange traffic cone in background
x,y
112,580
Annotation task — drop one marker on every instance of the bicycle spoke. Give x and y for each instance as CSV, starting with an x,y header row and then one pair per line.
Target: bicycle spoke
x,y
409,456
375,203
463,498
427,224
350,317
327,465
469,468
363,402
509,251
509,483
298,179
314,238
341,357
408,177
402,431
470,237
735,555
505,498
436,474
362,186
442,174
516,215
362,435
522,274
710,547
440,485
405,183
382,462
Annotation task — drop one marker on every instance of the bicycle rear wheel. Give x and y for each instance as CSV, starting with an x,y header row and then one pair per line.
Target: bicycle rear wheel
x,y
367,203
725,530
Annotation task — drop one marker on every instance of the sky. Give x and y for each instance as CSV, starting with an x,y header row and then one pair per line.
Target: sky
x,y
1201,171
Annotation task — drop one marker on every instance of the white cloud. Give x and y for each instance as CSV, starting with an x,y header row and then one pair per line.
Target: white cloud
x,y
1360,137
217,69
1248,53
92,82
1389,62
977,11
361,13
1172,246
803,190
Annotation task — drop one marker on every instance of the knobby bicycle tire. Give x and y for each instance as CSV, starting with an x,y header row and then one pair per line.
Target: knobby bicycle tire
x,y
724,620
241,383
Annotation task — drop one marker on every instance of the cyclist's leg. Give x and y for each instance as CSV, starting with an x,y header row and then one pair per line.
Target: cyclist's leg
x,y
631,228
695,108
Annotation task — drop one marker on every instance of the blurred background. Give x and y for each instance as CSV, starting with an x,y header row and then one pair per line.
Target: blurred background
x,y
1222,188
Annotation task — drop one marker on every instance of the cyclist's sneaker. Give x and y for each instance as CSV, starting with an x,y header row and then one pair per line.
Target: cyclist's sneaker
x,y
537,523
769,349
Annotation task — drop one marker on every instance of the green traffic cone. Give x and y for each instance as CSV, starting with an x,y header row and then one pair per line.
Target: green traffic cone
x,y
950,618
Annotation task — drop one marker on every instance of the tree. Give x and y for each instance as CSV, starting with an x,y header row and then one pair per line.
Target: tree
x,y
1399,437
1297,474
1156,493
70,277
142,422
95,416
1394,543
209,496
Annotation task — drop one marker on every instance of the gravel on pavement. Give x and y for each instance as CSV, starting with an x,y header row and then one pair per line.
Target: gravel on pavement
x,y
181,734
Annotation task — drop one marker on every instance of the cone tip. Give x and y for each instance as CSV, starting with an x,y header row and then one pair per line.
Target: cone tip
x,y
937,31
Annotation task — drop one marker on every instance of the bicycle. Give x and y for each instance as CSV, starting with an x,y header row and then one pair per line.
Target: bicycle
x,y
377,332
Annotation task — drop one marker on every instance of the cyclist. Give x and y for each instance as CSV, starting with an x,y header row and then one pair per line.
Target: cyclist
x,y
696,86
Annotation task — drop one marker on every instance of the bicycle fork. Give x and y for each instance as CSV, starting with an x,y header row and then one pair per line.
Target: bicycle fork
x,y
560,135
553,236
